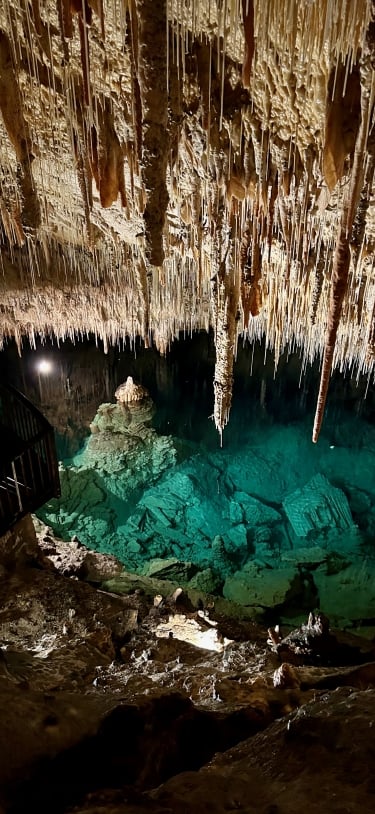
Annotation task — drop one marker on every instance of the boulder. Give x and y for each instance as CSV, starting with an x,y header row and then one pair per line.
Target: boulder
x,y
348,594
221,562
310,557
262,587
317,761
205,582
316,507
255,512
171,569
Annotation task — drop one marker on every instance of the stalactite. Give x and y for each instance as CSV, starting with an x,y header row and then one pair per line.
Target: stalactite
x,y
342,121
245,265
107,158
19,133
248,24
256,266
225,343
284,213
175,110
359,225
35,7
65,19
318,284
204,70
66,14
271,213
260,138
84,180
226,300
370,352
132,44
142,286
85,59
147,99
341,260
155,142
340,272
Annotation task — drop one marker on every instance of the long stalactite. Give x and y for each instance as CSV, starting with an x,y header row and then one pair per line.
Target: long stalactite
x,y
342,256
138,139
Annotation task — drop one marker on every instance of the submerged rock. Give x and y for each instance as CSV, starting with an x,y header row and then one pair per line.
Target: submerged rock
x,y
122,455
171,569
122,444
236,514
263,587
206,582
317,506
348,594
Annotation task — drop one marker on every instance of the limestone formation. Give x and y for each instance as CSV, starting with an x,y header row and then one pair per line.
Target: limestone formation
x,y
317,506
178,165
130,392
263,588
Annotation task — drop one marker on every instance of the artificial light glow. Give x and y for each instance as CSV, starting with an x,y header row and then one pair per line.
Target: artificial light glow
x,y
44,366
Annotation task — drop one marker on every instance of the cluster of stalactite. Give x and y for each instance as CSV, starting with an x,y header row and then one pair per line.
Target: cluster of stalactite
x,y
171,165
351,225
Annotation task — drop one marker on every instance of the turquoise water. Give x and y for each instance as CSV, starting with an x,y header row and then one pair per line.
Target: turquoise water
x,y
270,521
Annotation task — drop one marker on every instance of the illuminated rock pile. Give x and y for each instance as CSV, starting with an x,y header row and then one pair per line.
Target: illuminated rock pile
x,y
171,165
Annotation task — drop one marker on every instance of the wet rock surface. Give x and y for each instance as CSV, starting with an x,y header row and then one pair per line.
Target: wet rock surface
x,y
149,702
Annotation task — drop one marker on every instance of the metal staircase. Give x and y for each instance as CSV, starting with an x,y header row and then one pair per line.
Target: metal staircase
x,y
29,474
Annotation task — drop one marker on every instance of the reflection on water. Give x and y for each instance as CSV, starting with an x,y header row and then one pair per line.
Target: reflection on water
x,y
80,377
269,521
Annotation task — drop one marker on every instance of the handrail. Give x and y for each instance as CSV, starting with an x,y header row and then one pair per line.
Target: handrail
x,y
29,474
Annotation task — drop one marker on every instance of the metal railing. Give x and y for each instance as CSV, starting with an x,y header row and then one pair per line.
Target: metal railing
x,y
29,473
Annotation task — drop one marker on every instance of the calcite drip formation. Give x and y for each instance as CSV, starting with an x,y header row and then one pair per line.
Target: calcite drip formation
x,y
170,165
129,392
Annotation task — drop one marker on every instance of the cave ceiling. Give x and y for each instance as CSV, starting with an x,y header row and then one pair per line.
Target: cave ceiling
x,y
171,165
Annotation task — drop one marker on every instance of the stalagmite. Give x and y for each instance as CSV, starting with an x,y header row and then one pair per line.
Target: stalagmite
x,y
129,392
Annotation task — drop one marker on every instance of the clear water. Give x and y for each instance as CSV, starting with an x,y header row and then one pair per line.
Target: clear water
x,y
236,515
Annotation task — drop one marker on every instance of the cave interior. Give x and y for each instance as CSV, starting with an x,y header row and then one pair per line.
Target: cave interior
x,y
187,295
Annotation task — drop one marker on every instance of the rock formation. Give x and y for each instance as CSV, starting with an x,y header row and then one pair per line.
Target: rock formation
x,y
129,392
142,700
177,164
166,166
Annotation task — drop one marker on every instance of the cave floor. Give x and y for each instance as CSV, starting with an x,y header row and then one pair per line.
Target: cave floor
x,y
147,702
